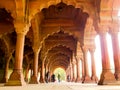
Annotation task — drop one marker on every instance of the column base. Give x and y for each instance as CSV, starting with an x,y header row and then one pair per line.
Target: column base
x,y
117,76
16,79
94,78
107,78
42,80
73,80
33,80
4,80
86,79
78,79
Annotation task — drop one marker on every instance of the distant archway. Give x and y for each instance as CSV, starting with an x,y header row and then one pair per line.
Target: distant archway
x,y
62,73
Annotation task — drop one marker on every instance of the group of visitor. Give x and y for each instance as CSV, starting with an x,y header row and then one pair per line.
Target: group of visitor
x,y
51,78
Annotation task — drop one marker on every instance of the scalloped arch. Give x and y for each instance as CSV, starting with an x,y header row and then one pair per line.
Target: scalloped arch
x,y
55,2
57,54
57,31
57,45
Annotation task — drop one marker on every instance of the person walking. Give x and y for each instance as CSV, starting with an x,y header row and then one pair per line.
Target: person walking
x,y
59,77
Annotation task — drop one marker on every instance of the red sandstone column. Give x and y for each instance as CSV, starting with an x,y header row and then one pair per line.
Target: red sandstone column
x,y
93,77
42,73
34,78
71,72
5,78
86,78
78,70
73,67
16,78
116,53
107,76
27,72
83,70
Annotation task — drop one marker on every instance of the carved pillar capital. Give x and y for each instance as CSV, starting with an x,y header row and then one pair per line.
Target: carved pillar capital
x,y
36,50
103,30
21,28
85,49
114,28
92,50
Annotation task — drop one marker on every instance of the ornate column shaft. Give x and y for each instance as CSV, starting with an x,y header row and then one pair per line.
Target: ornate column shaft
x,y
34,78
93,77
107,76
42,73
78,70
116,50
16,78
86,78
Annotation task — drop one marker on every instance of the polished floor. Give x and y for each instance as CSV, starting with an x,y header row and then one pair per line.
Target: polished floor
x,y
60,86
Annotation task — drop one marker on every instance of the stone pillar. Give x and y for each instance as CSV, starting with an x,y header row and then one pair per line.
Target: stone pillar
x,y
42,80
93,77
16,78
27,72
73,67
116,51
78,70
5,77
107,76
86,78
34,78
83,70
71,72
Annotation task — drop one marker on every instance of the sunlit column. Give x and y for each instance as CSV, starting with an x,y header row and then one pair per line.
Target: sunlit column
x,y
107,76
116,51
86,77
83,70
16,78
78,70
93,77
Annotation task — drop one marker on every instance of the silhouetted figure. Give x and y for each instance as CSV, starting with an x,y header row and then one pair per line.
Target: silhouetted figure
x,y
68,78
53,78
47,76
59,77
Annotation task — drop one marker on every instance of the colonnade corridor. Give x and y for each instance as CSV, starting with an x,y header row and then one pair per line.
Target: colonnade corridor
x,y
60,86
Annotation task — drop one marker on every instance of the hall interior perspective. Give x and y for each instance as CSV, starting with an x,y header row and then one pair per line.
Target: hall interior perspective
x,y
66,41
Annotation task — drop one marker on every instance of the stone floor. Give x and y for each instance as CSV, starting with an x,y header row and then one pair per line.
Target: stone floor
x,y
60,86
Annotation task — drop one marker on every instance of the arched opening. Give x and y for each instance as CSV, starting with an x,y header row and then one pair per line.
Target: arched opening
x,y
62,74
